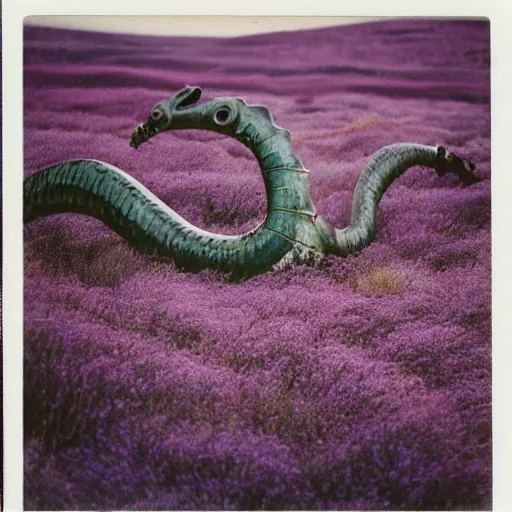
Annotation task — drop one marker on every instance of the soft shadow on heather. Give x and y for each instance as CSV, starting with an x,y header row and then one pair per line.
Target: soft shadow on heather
x,y
362,384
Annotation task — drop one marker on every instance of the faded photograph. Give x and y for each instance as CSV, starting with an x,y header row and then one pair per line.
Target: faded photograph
x,y
257,264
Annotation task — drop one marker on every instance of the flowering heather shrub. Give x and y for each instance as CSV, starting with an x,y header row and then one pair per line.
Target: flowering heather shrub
x,y
362,384
102,261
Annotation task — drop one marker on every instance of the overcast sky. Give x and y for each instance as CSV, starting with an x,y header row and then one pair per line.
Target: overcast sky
x,y
194,25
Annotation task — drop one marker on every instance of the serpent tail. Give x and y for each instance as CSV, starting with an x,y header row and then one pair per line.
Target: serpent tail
x,y
385,166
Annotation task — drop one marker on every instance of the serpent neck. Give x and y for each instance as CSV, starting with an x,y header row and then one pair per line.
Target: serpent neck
x,y
290,209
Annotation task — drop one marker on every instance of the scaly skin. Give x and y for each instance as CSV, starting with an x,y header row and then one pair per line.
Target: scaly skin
x,y
291,231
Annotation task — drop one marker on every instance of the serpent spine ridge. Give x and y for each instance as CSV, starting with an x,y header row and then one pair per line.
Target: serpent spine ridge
x,y
291,230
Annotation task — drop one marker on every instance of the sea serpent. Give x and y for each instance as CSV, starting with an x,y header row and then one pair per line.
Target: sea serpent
x,y
291,232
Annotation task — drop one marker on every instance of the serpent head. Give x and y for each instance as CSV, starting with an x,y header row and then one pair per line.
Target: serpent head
x,y
182,111
449,162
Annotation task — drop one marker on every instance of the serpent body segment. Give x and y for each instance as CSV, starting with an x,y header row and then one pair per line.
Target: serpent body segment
x,y
291,231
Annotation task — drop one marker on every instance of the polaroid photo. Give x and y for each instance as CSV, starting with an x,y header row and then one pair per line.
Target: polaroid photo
x,y
253,263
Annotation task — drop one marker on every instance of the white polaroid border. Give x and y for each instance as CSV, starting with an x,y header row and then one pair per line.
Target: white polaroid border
x,y
14,11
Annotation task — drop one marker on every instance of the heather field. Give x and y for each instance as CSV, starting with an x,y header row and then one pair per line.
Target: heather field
x,y
362,384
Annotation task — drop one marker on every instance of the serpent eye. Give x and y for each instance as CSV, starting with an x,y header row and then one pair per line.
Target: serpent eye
x,y
157,114
223,115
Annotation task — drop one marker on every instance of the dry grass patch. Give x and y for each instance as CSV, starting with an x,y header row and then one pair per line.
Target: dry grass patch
x,y
379,280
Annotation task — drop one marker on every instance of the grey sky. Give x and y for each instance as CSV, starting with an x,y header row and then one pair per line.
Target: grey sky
x,y
194,25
